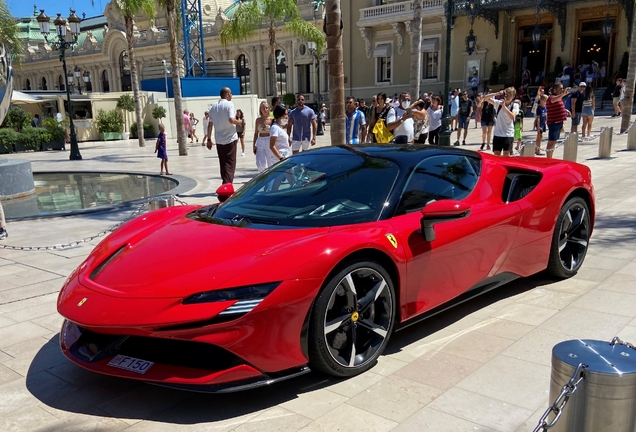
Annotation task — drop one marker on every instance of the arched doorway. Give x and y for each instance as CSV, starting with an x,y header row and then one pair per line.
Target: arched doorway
x,y
28,84
44,86
243,71
105,83
124,70
60,82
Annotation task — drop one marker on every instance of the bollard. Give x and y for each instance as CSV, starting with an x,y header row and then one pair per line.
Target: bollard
x,y
158,202
528,150
605,399
605,142
570,147
631,138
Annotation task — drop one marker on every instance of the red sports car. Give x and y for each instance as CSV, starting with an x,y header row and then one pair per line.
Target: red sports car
x,y
316,261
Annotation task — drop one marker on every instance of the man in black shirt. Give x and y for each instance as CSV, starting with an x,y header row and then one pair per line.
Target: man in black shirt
x,y
576,106
465,111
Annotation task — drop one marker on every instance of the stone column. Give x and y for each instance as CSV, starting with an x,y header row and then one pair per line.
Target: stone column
x,y
291,67
255,67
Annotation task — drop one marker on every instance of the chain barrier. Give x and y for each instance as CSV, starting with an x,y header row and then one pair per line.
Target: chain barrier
x,y
626,130
618,341
143,207
561,401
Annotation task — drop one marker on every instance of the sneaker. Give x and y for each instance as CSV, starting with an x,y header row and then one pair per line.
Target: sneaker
x,y
242,154
488,147
482,146
3,234
456,143
464,142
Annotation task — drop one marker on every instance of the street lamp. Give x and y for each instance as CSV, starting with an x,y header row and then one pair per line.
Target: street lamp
x,y
472,9
61,44
445,134
86,76
607,28
536,36
471,40
313,49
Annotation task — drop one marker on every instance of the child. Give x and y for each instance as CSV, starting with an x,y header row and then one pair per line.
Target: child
x,y
518,125
240,130
160,149
540,122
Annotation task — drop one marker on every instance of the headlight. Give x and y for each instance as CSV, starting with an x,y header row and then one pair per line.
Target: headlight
x,y
252,293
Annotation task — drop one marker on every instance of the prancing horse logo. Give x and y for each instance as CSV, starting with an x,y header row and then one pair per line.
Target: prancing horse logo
x,y
82,301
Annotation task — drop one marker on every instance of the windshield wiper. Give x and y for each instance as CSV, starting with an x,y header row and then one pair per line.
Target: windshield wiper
x,y
252,220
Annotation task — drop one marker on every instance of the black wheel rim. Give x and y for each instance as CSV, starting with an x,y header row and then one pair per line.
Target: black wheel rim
x,y
358,319
573,237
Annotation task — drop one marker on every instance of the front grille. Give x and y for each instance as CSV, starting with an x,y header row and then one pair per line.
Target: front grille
x,y
92,346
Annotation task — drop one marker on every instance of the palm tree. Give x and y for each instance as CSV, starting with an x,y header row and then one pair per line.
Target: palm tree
x,y
333,29
171,17
253,14
9,33
630,79
416,46
128,9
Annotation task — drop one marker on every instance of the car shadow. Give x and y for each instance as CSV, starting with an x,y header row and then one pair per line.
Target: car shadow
x,y
61,385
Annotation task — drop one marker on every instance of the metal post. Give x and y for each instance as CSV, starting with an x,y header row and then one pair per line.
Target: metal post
x,y
320,131
445,134
570,147
75,152
605,143
631,138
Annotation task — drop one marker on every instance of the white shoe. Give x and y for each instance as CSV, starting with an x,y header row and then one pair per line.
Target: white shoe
x,y
242,154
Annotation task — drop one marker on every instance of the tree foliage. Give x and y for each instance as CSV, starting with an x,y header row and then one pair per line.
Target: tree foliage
x,y
9,32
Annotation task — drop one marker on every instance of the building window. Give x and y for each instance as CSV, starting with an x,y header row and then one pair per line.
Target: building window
x,y
124,69
383,54
430,58
105,84
243,71
44,86
28,85
304,78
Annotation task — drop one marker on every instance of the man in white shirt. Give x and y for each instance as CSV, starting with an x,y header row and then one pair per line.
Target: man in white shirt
x,y
505,113
206,123
400,121
223,120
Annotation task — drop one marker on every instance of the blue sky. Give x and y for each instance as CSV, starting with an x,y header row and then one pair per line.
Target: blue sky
x,y
22,8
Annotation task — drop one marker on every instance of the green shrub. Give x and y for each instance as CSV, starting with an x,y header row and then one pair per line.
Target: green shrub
x,y
8,137
54,129
147,128
158,113
18,119
110,121
32,138
289,99
126,103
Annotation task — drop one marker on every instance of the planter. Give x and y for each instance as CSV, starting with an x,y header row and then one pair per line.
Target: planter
x,y
109,136
54,145
17,147
147,135
126,135
4,150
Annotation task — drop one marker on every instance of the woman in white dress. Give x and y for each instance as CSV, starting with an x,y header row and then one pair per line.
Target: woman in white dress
x,y
261,137
278,137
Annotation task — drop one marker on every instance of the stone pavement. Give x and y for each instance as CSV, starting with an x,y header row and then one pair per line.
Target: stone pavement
x,y
482,366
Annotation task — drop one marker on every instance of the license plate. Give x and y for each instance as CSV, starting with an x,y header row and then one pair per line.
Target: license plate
x,y
130,364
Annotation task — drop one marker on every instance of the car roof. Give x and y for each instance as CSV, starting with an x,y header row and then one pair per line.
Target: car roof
x,y
406,156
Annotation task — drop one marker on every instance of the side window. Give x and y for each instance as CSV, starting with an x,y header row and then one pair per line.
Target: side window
x,y
439,177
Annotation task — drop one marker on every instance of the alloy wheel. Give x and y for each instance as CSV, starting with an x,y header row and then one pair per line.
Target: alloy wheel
x,y
574,235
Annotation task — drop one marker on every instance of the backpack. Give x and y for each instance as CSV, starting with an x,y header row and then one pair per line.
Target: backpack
x,y
568,102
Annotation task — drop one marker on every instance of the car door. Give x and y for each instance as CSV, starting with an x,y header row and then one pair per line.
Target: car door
x,y
465,251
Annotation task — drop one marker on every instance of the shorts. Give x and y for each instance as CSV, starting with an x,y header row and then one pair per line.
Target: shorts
x,y
576,120
464,121
502,143
296,145
554,131
587,111
486,124
517,132
616,100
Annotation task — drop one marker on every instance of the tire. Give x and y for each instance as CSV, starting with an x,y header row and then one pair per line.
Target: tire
x,y
352,320
570,239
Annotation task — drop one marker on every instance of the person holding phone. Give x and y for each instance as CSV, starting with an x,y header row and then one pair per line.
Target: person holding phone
x,y
400,122
557,114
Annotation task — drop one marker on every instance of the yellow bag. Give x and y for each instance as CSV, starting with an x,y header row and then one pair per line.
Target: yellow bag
x,y
382,133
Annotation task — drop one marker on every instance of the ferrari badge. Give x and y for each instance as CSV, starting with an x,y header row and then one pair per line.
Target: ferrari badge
x,y
391,238
355,316
82,301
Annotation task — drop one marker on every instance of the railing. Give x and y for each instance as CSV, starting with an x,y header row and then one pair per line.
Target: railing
x,y
401,8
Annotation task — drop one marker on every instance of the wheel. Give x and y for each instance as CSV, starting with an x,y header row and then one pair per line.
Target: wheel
x,y
570,239
352,320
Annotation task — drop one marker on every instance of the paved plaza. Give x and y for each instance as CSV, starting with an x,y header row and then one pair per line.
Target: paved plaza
x,y
482,366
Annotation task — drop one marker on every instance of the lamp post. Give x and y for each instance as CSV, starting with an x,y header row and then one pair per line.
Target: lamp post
x,y
62,44
445,134
78,74
313,50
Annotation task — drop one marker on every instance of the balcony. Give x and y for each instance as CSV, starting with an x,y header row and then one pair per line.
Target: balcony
x,y
397,12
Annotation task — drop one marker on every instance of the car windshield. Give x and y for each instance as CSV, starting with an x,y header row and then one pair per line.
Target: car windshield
x,y
314,190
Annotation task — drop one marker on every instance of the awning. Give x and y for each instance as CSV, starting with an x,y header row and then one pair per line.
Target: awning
x,y
430,45
19,97
382,50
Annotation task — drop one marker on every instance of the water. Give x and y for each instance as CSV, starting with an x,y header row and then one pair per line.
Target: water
x,y
59,194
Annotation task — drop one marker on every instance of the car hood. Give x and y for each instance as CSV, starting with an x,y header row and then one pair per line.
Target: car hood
x,y
167,254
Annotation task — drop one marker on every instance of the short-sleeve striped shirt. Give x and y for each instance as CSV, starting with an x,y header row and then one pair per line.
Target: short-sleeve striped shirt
x,y
556,111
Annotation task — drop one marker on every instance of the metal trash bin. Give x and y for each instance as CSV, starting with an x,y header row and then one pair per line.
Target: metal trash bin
x,y
158,202
602,393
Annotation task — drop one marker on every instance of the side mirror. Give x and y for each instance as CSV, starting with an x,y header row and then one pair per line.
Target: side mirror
x,y
441,211
224,192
